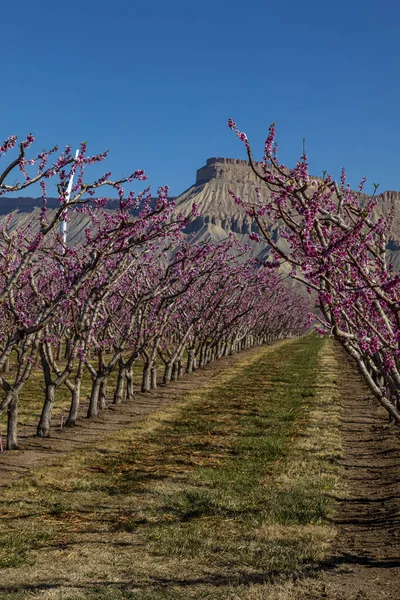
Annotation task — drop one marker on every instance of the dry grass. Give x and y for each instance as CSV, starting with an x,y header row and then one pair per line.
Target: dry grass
x,y
31,396
225,495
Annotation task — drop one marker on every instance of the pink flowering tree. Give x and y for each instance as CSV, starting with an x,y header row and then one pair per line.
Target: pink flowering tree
x,y
41,277
132,289
337,249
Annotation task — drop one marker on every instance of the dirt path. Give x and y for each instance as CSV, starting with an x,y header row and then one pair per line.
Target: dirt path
x,y
36,452
366,561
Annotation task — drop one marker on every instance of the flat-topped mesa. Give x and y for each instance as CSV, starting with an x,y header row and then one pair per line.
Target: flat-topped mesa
x,y
228,169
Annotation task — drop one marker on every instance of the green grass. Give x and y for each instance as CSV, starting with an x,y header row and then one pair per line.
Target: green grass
x,y
15,543
228,490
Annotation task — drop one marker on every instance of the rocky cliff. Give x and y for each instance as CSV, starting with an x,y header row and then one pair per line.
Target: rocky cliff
x,y
218,213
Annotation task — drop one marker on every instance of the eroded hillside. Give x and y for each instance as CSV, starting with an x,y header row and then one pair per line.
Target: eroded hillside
x,y
218,214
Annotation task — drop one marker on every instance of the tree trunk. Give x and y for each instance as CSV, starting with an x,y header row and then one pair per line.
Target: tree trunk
x,y
202,356
67,348
146,379
102,395
75,397
175,368
119,391
206,358
43,429
154,376
180,368
190,361
129,383
168,372
59,351
12,422
93,409
75,401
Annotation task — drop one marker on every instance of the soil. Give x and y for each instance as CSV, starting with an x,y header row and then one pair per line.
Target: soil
x,y
366,560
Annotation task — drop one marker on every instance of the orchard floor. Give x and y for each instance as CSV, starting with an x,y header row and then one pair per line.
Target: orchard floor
x,y
362,561
366,559
35,452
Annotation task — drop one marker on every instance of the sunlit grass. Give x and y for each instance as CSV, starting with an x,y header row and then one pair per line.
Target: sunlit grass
x,y
220,496
31,396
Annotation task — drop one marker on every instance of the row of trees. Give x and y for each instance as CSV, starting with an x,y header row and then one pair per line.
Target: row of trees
x,y
337,248
133,289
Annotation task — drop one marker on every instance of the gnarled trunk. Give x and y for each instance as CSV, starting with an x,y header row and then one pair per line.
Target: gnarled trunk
x,y
75,396
146,378
168,372
180,368
102,394
120,389
93,409
44,426
190,361
129,383
175,369
74,407
154,376
12,422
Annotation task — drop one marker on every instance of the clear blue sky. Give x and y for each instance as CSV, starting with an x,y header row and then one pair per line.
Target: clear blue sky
x,y
156,81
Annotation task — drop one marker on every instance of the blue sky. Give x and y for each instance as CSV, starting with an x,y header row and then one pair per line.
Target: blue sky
x,y
155,82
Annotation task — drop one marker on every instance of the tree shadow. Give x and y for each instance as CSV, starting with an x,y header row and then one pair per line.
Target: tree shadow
x,y
238,578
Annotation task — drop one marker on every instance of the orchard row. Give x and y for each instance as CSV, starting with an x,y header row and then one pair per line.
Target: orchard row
x,y
133,290
337,249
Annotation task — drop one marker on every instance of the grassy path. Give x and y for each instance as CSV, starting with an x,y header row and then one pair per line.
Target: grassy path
x,y
36,452
224,495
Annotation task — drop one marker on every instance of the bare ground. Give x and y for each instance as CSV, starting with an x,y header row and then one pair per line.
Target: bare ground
x,y
366,559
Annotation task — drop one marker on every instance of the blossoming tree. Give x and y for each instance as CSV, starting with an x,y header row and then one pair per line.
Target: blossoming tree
x,y
338,250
